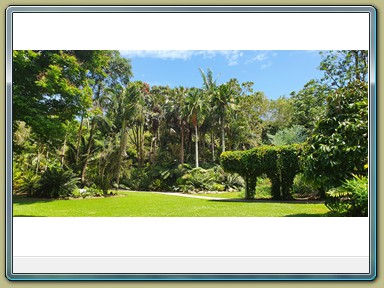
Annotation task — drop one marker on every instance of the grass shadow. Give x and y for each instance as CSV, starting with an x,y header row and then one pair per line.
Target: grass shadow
x,y
268,201
29,216
24,200
327,214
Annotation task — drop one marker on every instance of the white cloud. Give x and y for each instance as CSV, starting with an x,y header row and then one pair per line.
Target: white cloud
x,y
266,65
263,57
260,57
231,56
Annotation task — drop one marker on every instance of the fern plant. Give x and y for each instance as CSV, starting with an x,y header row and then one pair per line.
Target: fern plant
x,y
351,198
57,183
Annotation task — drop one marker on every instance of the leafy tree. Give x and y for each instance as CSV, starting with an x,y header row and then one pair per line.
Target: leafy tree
x,y
277,117
247,123
342,67
308,104
51,87
338,147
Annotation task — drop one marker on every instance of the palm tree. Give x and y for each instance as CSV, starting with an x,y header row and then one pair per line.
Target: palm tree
x,y
122,110
195,106
209,85
210,88
157,109
180,113
223,98
138,92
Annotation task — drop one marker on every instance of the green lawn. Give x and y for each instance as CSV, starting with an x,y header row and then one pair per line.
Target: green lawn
x,y
143,204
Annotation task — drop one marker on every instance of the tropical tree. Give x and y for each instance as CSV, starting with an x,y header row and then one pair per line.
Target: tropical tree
x,y
309,104
224,99
180,113
108,82
196,105
338,147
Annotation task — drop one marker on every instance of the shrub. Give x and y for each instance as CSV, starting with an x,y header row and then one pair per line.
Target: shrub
x,y
203,179
217,187
233,181
57,183
302,187
288,136
350,199
139,179
157,185
92,191
28,183
199,178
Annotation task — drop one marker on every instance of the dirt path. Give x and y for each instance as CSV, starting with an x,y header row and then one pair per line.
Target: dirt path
x,y
191,195
181,195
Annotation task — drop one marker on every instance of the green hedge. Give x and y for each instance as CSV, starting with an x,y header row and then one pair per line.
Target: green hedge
x,y
280,164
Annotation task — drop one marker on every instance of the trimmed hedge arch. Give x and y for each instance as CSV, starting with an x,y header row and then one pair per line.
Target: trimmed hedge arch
x,y
280,164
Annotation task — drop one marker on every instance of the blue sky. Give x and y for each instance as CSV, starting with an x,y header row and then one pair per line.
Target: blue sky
x,y
276,73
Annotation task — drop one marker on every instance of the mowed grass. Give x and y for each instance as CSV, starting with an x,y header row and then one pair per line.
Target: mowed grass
x,y
144,204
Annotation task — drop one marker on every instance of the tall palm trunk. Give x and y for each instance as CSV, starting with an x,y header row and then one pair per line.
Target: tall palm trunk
x,y
357,65
202,146
182,144
197,147
140,145
122,152
63,150
79,138
222,135
89,146
213,146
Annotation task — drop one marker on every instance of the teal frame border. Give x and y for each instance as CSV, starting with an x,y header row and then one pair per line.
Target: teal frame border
x,y
200,9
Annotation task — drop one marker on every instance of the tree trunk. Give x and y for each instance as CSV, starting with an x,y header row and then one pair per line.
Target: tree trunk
x,y
63,150
196,147
38,159
89,146
213,146
357,65
79,138
222,135
141,145
46,160
152,150
122,152
202,147
182,144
